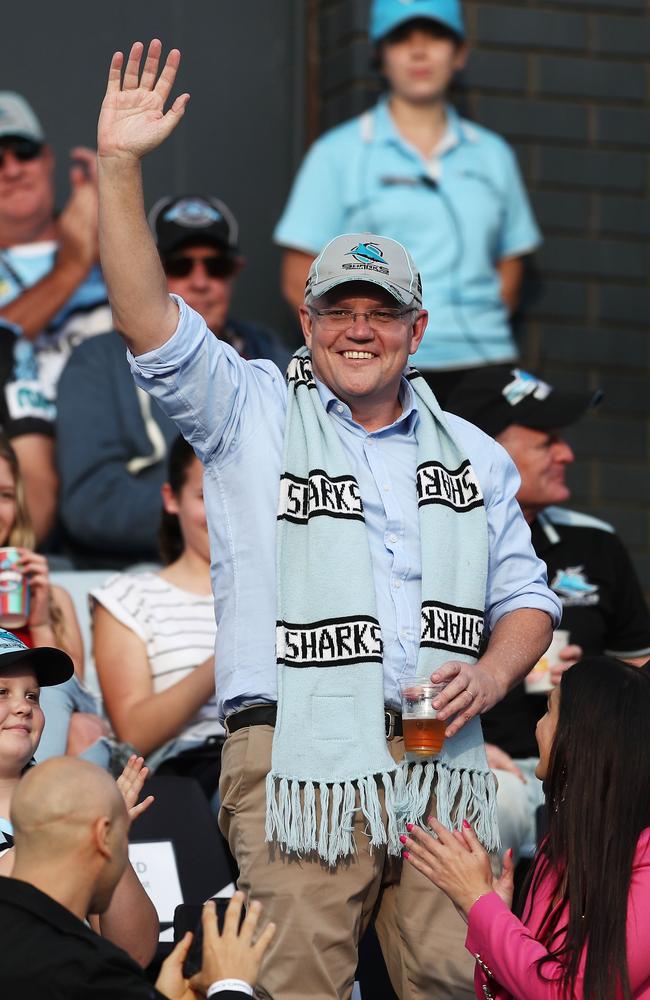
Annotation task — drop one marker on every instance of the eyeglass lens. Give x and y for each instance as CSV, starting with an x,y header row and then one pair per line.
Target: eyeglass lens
x,y
182,267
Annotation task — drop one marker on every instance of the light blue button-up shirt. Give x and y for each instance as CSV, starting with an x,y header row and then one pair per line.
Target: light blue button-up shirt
x,y
233,413
459,213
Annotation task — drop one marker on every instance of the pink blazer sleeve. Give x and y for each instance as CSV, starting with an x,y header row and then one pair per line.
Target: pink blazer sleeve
x,y
507,949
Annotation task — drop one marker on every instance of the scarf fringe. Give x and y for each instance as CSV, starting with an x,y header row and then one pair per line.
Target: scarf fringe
x,y
459,794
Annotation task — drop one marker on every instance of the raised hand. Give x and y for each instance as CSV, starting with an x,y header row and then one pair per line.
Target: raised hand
x,y
132,120
130,784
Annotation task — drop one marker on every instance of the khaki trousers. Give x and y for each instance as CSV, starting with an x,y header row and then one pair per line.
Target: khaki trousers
x,y
321,913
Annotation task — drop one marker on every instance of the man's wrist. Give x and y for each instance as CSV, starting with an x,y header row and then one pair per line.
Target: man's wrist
x,y
230,984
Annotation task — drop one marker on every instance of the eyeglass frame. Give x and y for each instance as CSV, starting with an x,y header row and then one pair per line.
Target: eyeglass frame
x,y
399,314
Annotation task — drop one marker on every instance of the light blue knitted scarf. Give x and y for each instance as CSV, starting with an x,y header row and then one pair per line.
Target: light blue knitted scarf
x,y
329,743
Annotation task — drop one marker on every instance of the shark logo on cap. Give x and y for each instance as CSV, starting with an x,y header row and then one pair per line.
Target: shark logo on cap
x,y
369,256
367,253
192,212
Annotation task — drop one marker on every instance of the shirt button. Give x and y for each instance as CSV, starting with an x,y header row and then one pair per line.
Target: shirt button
x,y
397,584
392,538
339,408
386,487
369,441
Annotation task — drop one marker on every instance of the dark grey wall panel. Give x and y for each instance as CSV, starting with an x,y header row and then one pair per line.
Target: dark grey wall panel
x,y
243,133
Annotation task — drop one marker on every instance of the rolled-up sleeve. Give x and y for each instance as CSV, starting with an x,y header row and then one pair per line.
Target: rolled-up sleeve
x,y
516,576
203,384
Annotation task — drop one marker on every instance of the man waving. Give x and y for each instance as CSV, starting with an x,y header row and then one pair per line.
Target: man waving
x,y
360,536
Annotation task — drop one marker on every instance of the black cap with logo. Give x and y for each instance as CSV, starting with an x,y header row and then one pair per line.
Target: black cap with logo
x,y
493,398
194,219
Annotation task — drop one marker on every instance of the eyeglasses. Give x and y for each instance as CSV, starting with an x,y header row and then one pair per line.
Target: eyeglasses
x,y
339,320
23,149
215,267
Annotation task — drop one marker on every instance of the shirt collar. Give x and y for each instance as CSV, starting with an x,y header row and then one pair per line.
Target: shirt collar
x,y
405,422
457,131
545,532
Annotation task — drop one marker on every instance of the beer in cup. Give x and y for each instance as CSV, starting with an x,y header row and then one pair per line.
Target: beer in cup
x,y
424,733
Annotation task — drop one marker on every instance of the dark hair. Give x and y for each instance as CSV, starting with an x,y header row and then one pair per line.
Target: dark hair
x,y
598,797
170,540
401,33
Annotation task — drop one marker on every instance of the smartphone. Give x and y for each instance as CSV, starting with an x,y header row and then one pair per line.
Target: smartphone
x,y
188,917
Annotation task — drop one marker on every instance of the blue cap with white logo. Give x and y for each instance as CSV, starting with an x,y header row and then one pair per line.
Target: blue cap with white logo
x,y
386,15
50,665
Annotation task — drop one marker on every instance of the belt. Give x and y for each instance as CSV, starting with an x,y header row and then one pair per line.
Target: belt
x,y
265,715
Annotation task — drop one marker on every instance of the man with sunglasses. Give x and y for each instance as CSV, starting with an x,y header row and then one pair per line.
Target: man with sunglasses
x,y
50,282
113,440
51,289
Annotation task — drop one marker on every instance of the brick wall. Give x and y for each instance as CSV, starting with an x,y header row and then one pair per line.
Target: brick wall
x,y
567,82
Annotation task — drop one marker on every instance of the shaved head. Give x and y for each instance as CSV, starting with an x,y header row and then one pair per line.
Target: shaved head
x,y
69,816
61,797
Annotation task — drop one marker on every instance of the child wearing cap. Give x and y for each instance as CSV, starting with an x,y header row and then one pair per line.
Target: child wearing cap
x,y
411,168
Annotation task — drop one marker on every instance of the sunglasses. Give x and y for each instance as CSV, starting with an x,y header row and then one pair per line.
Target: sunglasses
x,y
215,267
23,149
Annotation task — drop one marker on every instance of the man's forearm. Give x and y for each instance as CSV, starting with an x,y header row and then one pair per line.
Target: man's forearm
x,y
34,308
142,309
516,644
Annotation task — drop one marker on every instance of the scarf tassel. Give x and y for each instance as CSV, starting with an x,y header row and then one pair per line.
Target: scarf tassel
x,y
291,815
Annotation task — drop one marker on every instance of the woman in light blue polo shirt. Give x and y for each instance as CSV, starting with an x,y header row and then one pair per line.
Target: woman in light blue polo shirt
x,y
412,169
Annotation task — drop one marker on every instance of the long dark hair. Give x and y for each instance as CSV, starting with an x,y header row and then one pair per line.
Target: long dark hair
x,y
598,797
170,540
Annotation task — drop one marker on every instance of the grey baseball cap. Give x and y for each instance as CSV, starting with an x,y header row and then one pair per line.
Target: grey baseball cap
x,y
17,117
365,257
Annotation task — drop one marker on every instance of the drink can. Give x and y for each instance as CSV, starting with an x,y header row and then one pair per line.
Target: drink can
x,y
538,681
14,591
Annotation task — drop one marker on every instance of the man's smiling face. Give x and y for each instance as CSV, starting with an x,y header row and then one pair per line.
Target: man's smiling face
x,y
362,362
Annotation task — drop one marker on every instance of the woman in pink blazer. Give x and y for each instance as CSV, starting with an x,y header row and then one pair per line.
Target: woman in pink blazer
x,y
584,930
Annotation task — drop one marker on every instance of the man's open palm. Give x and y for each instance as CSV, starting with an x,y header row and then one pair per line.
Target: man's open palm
x,y
132,120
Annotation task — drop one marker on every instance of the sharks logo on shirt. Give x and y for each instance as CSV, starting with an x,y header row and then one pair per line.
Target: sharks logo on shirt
x,y
573,588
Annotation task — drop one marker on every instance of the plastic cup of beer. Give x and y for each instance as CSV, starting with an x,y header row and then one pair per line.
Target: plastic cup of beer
x,y
424,732
538,680
14,590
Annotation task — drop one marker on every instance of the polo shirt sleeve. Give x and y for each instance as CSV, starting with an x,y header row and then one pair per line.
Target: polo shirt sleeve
x,y
214,396
315,212
516,575
628,632
520,233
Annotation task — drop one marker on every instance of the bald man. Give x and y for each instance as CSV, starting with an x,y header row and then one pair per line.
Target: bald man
x,y
70,828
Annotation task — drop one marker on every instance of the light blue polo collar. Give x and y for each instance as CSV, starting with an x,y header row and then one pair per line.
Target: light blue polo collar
x,y
385,130
404,423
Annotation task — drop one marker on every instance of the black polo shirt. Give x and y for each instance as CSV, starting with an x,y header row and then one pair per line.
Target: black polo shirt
x,y
24,408
604,612
48,952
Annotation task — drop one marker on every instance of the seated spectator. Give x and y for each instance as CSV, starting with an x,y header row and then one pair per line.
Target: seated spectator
x,y
27,420
50,282
71,828
588,568
131,920
52,621
112,439
154,639
585,925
